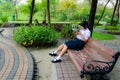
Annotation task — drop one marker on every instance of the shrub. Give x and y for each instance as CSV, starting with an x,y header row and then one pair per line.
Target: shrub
x,y
111,28
115,21
62,16
32,36
67,32
4,18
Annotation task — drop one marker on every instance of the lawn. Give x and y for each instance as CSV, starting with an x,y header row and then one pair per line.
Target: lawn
x,y
102,36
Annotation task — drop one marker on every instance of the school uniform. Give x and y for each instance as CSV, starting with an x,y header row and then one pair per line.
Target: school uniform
x,y
78,43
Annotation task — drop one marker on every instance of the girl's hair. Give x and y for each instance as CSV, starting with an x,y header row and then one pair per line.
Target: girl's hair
x,y
84,24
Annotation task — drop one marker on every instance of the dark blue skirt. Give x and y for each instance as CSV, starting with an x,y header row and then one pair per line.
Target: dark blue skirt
x,y
75,44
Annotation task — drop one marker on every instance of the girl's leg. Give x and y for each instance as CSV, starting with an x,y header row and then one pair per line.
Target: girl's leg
x,y
60,48
54,53
63,51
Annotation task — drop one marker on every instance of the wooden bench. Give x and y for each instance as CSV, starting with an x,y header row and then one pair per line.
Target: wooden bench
x,y
95,59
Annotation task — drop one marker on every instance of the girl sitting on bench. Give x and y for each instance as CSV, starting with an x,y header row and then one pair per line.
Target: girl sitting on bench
x,y
78,43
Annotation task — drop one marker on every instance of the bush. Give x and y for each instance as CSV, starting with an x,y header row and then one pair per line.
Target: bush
x,y
67,32
115,21
4,18
111,28
116,32
62,16
32,36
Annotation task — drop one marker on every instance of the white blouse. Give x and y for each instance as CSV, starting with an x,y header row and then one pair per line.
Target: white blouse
x,y
85,32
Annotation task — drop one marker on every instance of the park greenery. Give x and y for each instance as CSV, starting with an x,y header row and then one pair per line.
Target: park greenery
x,y
35,35
69,11
60,12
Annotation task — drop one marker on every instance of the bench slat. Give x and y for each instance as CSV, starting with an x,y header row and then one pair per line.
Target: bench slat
x,y
73,57
100,47
95,55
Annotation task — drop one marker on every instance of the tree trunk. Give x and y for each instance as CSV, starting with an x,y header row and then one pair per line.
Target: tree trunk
x,y
117,11
31,12
92,15
114,13
102,12
15,9
48,11
45,15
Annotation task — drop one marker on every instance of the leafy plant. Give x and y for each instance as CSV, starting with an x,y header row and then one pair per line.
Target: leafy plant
x,y
67,32
111,28
115,21
62,16
4,18
33,36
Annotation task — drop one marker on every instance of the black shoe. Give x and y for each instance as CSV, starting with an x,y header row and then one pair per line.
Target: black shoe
x,y
53,53
56,60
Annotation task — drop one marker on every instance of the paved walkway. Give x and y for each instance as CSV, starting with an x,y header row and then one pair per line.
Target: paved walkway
x,y
16,62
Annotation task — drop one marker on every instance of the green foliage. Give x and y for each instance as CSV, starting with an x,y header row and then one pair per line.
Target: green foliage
x,y
102,36
26,8
67,32
31,36
6,6
84,11
115,21
62,16
4,18
68,6
6,10
111,28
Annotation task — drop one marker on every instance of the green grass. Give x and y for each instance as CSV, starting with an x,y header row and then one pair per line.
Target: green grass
x,y
102,36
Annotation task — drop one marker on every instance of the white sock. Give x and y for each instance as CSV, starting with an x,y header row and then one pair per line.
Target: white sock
x,y
58,57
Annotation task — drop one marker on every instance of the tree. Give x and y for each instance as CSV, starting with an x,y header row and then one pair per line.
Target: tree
x,y
15,9
31,11
103,12
68,8
43,8
48,10
117,10
92,14
117,1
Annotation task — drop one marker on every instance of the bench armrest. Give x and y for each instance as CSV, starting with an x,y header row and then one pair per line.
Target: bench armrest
x,y
95,66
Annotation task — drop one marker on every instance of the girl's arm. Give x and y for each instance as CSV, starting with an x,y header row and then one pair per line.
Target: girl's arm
x,y
83,38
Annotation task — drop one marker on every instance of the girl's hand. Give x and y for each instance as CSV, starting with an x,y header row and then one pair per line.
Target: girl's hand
x,y
79,33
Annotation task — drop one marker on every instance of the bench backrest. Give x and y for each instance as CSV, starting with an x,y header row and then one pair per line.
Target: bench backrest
x,y
94,46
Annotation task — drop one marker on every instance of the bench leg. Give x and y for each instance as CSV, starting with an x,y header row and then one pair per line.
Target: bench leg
x,y
99,77
104,77
81,75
